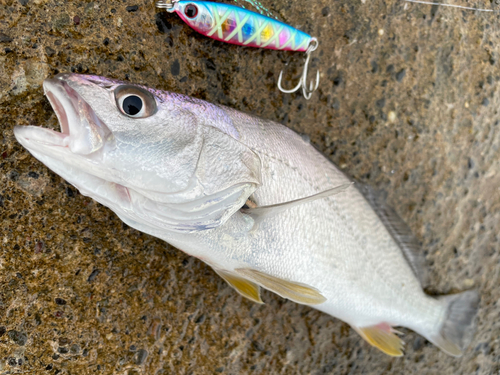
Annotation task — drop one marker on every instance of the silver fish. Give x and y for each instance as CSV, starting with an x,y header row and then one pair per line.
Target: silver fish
x,y
252,199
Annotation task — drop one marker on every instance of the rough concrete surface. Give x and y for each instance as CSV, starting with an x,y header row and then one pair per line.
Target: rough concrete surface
x,y
408,103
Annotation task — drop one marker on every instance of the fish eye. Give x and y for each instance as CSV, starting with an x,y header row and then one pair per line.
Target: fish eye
x,y
135,102
191,11
132,105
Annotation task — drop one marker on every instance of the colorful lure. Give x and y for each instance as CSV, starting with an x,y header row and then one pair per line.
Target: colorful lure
x,y
235,25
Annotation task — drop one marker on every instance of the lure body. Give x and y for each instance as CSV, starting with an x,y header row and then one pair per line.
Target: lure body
x,y
235,25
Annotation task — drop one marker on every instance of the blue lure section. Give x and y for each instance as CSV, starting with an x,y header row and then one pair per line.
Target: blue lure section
x,y
235,25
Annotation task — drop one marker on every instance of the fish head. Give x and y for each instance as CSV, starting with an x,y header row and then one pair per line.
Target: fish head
x,y
154,157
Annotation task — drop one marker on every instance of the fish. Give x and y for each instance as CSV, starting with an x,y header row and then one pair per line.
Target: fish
x,y
252,199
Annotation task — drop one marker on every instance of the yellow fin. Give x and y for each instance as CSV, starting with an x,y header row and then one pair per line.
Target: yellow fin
x,y
297,292
244,287
382,337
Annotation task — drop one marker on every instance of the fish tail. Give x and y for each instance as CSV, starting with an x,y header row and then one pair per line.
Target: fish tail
x,y
457,327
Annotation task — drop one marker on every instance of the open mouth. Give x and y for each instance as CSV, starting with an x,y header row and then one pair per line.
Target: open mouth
x,y
63,99
60,97
81,130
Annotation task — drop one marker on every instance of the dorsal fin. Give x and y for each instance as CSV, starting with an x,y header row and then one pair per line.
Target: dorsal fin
x,y
274,209
399,230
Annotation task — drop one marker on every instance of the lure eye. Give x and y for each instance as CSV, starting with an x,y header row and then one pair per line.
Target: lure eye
x,y
135,102
191,11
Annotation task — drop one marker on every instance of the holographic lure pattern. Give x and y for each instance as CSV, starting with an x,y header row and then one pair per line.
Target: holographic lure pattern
x,y
235,25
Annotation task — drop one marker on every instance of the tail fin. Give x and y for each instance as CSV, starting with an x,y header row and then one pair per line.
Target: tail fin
x,y
458,326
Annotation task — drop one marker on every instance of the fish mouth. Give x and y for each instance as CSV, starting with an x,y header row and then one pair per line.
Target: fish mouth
x,y
81,130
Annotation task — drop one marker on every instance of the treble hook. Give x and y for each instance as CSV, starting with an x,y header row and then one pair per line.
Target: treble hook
x,y
303,79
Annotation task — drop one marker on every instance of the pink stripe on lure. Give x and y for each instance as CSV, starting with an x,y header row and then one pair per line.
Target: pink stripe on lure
x,y
235,25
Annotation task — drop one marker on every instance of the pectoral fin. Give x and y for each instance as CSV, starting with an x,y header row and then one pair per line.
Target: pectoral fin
x,y
244,287
297,292
273,209
382,337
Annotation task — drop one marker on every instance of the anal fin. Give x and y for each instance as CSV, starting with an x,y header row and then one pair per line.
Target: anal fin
x,y
297,292
382,337
246,288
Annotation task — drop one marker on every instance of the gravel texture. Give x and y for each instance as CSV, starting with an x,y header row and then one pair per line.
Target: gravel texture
x,y
408,103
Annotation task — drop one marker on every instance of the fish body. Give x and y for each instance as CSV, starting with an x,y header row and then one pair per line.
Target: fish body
x,y
252,199
232,24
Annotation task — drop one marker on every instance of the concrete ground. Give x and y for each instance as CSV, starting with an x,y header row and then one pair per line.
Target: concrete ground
x,y
408,103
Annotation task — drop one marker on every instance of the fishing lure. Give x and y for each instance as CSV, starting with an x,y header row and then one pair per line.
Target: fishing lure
x,y
235,25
